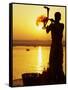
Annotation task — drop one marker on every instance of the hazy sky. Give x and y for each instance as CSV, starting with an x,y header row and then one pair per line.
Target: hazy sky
x,y
24,21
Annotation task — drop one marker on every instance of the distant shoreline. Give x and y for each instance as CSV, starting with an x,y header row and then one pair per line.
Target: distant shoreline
x,y
33,43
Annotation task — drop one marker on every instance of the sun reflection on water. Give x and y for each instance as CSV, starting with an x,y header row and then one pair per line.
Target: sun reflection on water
x,y
40,61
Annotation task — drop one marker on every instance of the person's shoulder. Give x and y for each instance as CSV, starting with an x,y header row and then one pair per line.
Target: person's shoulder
x,y
62,24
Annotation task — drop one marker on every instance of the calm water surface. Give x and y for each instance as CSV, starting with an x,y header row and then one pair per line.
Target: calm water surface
x,y
28,59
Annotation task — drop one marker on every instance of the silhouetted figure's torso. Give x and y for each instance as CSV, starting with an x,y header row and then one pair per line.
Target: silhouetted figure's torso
x,y
56,51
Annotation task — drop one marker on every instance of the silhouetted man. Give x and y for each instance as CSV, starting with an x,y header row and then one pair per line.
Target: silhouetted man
x,y
56,52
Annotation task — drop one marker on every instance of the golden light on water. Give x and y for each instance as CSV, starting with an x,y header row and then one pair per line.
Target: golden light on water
x,y
33,61
40,59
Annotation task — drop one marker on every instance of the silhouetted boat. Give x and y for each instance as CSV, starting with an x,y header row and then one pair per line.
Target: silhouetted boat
x,y
27,49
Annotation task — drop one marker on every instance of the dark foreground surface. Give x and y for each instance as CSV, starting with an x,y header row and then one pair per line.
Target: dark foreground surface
x,y
46,78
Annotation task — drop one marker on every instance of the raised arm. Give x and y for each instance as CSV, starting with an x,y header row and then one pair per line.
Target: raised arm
x,y
49,28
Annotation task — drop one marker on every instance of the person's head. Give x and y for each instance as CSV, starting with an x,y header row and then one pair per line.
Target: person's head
x,y
57,16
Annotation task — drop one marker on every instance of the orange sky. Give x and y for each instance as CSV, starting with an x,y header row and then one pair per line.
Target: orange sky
x,y
24,21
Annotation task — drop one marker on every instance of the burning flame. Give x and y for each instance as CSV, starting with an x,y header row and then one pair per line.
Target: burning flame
x,y
41,19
